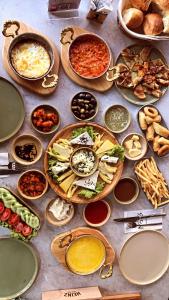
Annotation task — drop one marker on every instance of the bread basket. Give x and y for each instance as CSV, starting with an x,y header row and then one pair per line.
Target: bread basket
x,y
124,4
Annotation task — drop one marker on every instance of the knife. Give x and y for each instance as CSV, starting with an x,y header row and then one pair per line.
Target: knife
x,y
136,218
9,171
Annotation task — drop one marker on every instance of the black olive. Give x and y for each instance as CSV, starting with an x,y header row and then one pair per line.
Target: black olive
x,y
92,112
77,113
82,116
87,96
93,101
90,105
86,101
74,102
74,107
81,95
82,110
86,106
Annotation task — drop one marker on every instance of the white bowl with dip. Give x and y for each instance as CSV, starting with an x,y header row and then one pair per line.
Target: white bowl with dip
x,y
117,118
57,214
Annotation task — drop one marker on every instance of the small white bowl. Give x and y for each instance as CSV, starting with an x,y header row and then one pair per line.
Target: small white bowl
x,y
101,223
134,197
143,142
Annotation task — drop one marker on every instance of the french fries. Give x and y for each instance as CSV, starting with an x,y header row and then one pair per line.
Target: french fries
x,y
152,182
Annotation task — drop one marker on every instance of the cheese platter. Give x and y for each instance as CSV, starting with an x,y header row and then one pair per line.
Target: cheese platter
x,y
60,156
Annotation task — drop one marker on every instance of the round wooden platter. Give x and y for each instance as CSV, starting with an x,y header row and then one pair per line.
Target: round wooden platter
x,y
34,86
59,253
99,84
65,133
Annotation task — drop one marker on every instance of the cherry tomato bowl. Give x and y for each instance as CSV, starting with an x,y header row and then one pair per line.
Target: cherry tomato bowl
x,y
32,184
45,119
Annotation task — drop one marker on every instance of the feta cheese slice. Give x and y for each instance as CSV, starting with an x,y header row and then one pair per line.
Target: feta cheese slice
x,y
83,139
60,167
110,159
88,182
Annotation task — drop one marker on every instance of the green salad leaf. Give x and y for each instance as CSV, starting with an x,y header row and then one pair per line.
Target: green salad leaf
x,y
86,193
52,162
80,130
117,151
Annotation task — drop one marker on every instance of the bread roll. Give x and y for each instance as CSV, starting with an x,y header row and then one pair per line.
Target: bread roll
x,y
133,17
153,24
141,4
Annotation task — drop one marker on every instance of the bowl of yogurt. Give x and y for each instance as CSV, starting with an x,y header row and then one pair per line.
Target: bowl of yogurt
x,y
59,212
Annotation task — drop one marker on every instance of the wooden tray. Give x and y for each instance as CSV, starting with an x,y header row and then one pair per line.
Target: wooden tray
x,y
163,123
59,253
34,86
100,84
65,133
123,296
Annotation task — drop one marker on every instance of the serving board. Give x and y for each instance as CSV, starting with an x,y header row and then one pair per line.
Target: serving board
x,y
99,84
65,134
36,85
123,296
59,253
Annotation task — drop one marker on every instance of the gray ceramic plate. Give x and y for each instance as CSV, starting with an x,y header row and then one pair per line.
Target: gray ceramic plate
x,y
19,267
12,110
128,93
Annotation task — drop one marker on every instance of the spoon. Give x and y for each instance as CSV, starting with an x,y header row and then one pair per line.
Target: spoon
x,y
134,224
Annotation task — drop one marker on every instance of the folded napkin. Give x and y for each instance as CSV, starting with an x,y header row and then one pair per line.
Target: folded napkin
x,y
141,222
4,161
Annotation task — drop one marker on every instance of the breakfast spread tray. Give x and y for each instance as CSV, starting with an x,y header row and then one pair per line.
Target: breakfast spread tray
x,y
59,251
100,84
12,29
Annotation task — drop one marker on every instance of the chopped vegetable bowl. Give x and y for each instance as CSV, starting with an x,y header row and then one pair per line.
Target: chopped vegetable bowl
x,y
59,172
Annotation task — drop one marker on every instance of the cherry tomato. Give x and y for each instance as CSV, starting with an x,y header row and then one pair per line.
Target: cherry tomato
x,y
27,230
2,207
14,219
6,214
18,227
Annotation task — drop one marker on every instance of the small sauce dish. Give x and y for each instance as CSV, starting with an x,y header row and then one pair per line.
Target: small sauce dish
x,y
96,214
117,118
126,191
53,220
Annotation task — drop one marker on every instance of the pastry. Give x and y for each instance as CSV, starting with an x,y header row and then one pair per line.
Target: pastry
x,y
150,111
163,141
161,130
163,5
150,120
163,150
141,4
142,121
133,17
156,145
150,133
153,24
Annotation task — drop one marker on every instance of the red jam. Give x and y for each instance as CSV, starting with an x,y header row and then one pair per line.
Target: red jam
x,y
96,212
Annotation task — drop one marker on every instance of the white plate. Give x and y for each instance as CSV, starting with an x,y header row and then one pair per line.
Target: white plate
x,y
144,258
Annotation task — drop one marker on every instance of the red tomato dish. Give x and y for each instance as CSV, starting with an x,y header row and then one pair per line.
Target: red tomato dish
x,y
89,56
32,183
45,118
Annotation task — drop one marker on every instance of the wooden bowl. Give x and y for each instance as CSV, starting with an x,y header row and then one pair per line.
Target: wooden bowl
x,y
143,142
26,139
134,197
65,133
29,197
52,220
101,223
95,162
47,108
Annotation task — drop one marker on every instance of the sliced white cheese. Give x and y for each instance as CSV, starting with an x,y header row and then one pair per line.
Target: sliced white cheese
x,y
83,139
60,167
88,182
63,151
110,159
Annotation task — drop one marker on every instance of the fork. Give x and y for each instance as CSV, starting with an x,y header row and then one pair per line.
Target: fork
x,y
16,166
134,224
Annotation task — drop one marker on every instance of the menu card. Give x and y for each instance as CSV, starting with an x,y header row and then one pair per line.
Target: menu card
x,y
90,293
